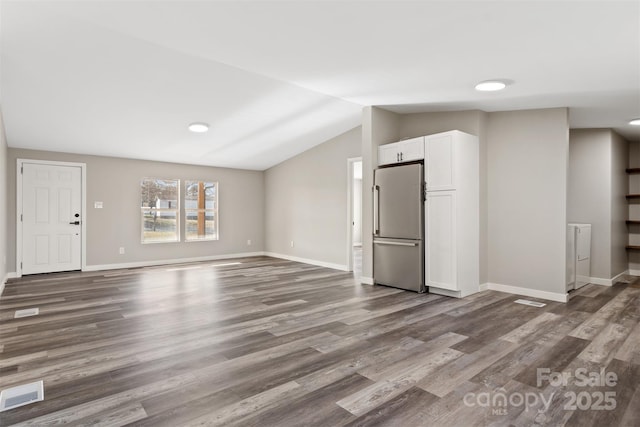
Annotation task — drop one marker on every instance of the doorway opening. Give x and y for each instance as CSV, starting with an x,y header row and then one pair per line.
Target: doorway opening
x,y
354,238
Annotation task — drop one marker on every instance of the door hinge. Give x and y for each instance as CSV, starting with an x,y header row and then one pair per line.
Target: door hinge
x,y
21,170
21,218
20,266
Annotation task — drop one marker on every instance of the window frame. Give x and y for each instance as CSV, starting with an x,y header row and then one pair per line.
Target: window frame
x,y
215,211
177,210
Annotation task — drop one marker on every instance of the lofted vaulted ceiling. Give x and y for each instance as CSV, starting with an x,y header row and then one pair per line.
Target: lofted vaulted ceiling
x,y
274,78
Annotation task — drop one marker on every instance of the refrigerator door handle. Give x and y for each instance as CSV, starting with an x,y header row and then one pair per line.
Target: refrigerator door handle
x,y
376,210
382,242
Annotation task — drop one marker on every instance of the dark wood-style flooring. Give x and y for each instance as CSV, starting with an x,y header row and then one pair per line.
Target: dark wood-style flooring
x,y
268,342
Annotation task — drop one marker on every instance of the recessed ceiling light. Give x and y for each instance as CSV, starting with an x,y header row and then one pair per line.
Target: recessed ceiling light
x,y
490,85
635,122
198,127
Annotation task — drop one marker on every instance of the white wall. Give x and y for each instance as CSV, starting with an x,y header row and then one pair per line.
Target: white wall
x,y
4,238
527,162
116,183
306,202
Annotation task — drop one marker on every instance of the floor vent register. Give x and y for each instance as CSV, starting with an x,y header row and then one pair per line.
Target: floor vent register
x,y
21,395
531,303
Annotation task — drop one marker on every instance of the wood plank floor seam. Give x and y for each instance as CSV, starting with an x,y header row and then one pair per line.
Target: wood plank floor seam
x,y
269,342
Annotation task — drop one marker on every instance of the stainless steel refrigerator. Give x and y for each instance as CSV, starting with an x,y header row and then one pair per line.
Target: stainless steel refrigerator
x,y
398,232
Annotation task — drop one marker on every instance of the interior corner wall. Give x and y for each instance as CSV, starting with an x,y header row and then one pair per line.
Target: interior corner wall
x,y
589,186
378,127
619,205
4,206
473,122
116,183
306,202
527,162
634,208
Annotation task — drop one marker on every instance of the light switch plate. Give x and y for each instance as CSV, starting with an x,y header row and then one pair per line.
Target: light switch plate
x,y
97,205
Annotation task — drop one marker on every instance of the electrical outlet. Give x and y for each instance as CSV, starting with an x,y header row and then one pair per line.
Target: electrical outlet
x,y
292,245
249,242
121,251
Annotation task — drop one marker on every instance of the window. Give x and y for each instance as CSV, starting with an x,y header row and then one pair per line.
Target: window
x,y
201,209
160,211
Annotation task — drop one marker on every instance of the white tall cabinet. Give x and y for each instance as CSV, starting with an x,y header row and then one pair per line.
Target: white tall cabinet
x,y
452,213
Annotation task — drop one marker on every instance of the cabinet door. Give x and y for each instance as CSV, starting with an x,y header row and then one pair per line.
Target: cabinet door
x,y
388,154
440,162
412,149
440,236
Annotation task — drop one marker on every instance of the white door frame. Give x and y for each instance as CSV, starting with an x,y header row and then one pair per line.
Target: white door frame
x,y
83,209
350,162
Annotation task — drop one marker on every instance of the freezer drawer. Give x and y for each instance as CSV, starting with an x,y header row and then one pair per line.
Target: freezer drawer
x,y
399,263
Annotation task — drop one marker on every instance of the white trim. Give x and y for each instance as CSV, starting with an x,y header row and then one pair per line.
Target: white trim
x,y
341,267
552,296
83,207
12,275
445,292
366,280
350,162
608,282
631,272
483,287
599,281
170,261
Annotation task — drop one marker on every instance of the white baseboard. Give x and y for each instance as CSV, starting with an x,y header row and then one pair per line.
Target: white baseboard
x,y
483,287
12,275
445,292
631,272
366,280
342,267
99,267
552,296
609,282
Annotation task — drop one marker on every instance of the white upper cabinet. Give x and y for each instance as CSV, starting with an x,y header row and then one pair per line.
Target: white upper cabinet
x,y
440,162
401,152
451,161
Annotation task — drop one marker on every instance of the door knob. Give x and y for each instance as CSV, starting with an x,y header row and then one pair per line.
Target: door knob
x,y
75,223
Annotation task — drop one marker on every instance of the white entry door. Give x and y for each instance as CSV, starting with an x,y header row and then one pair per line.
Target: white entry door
x,y
51,218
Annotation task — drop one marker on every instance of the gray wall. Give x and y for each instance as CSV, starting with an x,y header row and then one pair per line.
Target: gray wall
x,y
116,182
306,201
634,208
596,195
5,242
589,191
527,162
619,205
378,127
